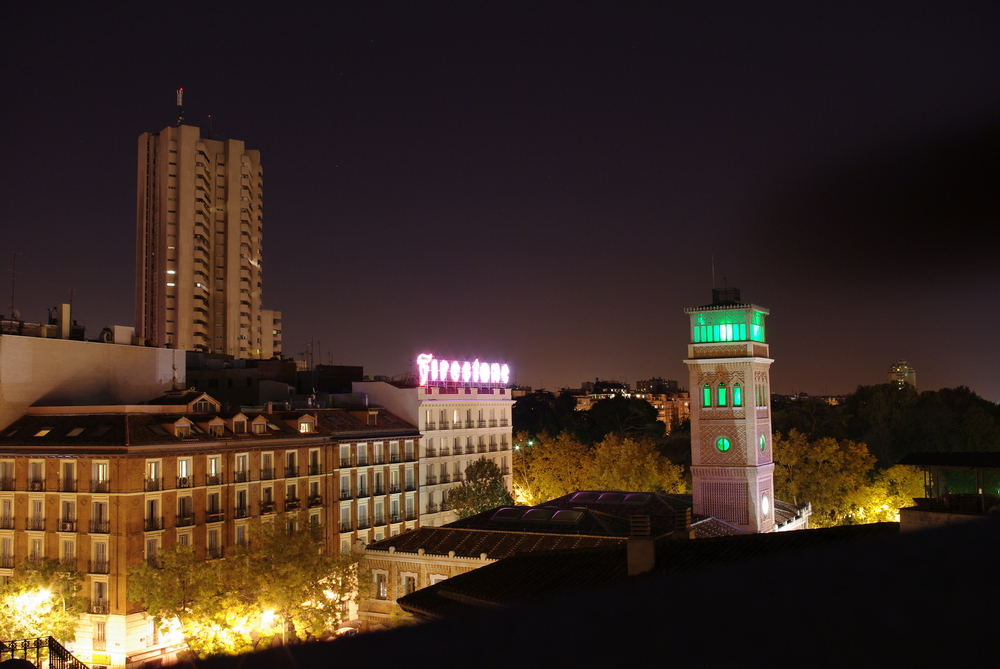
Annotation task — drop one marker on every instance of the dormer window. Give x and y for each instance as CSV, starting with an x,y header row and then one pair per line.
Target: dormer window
x,y
239,426
217,430
182,430
306,425
201,406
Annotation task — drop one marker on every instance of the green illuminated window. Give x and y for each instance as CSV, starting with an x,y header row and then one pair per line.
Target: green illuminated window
x,y
763,442
706,396
723,399
723,444
737,395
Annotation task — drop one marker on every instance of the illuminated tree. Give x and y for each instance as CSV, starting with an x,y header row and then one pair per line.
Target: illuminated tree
x,y
484,488
41,600
623,463
279,586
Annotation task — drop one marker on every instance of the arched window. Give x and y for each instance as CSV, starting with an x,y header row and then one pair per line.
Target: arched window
x,y
706,396
737,395
723,395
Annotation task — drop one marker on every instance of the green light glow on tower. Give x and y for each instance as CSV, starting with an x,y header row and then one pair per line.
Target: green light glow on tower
x,y
721,326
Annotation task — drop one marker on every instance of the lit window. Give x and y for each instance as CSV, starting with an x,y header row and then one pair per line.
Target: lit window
x,y
737,395
723,399
723,444
706,396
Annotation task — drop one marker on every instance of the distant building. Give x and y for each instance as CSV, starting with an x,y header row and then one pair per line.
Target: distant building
x,y
657,385
958,488
199,246
901,373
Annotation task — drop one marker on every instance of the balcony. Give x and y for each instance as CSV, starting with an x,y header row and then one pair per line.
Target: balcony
x,y
363,524
410,457
153,524
67,525
395,518
315,500
36,524
505,471
493,448
480,423
267,507
36,485
445,478
379,520
241,476
410,486
431,479
241,512
6,484
362,460
363,491
266,474
346,527
410,515
345,462
503,422
493,422
445,425
213,479
378,490
432,508
214,552
430,425
98,567
67,485
394,457
393,488
185,481
469,424
101,606
481,448
151,485
99,644
315,470
100,527
7,561
430,452
345,493
214,516
7,523
291,503
291,472
184,521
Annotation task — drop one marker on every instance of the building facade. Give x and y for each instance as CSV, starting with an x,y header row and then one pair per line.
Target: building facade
x,y
732,467
105,488
901,373
199,246
459,422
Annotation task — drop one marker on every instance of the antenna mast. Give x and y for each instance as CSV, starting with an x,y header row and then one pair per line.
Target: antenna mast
x,y
180,106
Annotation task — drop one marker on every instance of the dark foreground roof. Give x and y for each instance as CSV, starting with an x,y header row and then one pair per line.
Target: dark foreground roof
x,y
914,599
530,576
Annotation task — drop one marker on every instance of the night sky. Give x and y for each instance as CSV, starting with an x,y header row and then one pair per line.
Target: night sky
x,y
545,184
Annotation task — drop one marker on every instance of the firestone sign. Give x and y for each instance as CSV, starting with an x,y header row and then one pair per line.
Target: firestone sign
x,y
452,371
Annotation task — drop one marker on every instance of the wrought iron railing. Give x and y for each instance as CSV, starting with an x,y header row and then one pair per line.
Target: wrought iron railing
x,y
41,651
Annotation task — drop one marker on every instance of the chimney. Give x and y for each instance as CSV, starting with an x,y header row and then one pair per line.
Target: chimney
x,y
64,320
641,550
682,530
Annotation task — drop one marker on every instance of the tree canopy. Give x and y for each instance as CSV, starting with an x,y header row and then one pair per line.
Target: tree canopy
x,y
840,480
279,586
41,599
555,466
483,488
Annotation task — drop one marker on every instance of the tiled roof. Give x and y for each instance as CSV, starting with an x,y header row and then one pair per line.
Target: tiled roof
x,y
495,544
528,576
118,431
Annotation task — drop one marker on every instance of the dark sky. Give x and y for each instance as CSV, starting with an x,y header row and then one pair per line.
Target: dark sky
x,y
541,183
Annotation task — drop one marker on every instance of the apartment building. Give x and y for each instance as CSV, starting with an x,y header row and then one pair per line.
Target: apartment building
x,y
105,488
199,230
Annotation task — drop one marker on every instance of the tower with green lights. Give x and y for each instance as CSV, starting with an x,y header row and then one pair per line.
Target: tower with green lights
x,y
732,467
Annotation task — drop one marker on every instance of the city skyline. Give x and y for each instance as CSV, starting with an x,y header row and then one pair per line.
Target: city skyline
x,y
544,185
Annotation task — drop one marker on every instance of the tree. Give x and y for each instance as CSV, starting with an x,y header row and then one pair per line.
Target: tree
x,y
548,467
484,488
623,463
625,416
41,600
279,586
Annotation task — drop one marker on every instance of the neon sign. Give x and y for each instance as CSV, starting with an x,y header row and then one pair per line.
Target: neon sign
x,y
452,371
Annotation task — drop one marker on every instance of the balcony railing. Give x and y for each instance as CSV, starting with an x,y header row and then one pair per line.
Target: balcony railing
x,y
267,507
431,479
410,486
430,453
493,422
315,500
379,520
100,486
410,515
266,474
363,491
153,484
36,524
36,485
480,423
6,522
99,644
214,552
346,527
445,425
185,481
100,606
430,425
100,526
345,462
409,457
153,524
395,518
469,424
345,493
378,490
291,503
241,512
241,476
315,470
363,524
67,525
393,488
7,561
432,508
362,460
213,479
445,452
394,457
6,484
291,472
98,567
184,521
67,485
214,516
503,422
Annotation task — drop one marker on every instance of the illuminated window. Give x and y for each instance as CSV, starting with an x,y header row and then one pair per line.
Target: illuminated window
x,y
723,398
706,396
723,444
763,442
737,395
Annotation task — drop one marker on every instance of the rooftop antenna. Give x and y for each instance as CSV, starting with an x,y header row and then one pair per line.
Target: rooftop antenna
x,y
210,126
14,315
180,106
